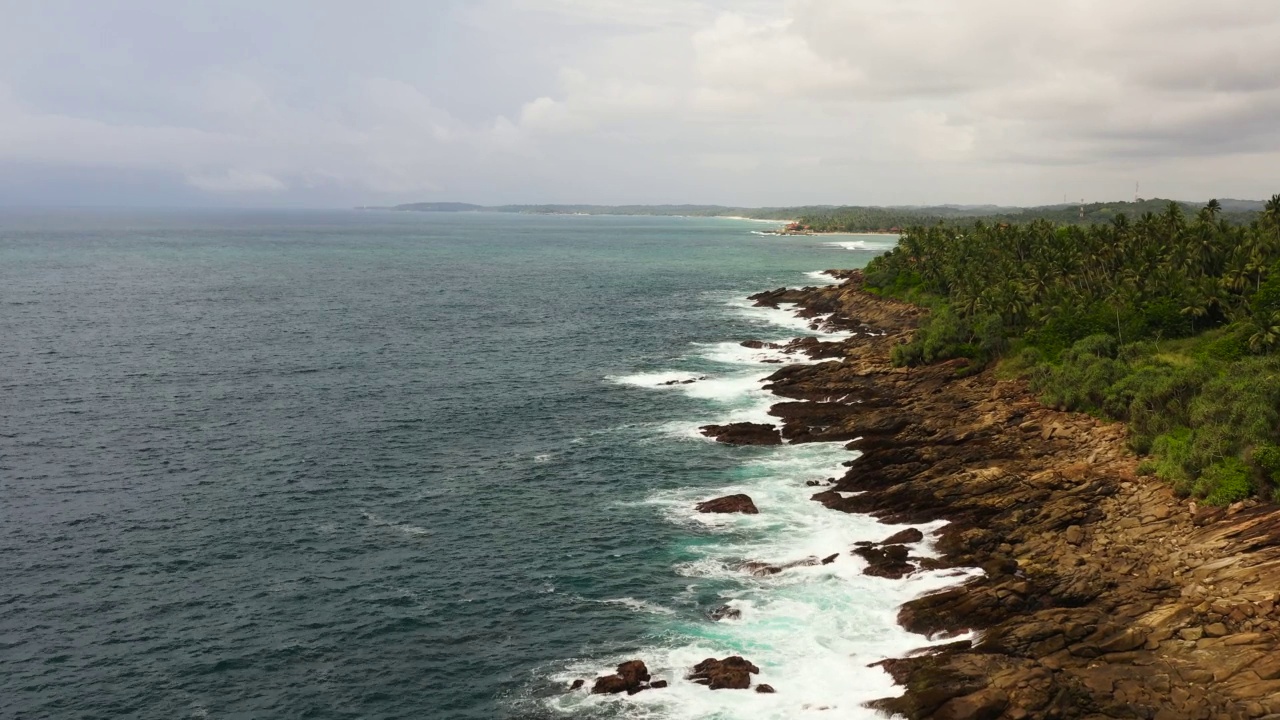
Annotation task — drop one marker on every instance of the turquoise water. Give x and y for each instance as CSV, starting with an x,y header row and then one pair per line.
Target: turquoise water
x,y
376,465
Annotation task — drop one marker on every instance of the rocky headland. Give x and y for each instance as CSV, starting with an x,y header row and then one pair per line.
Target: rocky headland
x,y
1103,596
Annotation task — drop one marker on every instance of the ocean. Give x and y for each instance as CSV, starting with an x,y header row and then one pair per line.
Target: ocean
x,y
370,464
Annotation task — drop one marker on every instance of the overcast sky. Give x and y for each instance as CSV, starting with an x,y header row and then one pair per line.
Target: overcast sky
x,y
750,102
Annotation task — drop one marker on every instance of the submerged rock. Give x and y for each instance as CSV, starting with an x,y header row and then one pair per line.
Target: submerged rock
x,y
728,504
577,684
762,569
731,673
725,612
689,381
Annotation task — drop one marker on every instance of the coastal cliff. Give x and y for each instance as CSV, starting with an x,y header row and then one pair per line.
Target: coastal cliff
x,y
1104,595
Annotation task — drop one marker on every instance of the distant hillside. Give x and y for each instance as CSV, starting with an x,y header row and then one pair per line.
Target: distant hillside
x,y
851,218
863,219
439,207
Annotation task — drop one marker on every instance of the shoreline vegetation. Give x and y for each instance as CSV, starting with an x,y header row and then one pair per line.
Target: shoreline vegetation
x,y
1168,323
1104,593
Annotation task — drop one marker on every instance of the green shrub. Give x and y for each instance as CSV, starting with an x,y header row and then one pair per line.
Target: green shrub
x,y
1224,482
944,335
1230,347
1155,398
1171,452
1267,457
1235,410
1083,377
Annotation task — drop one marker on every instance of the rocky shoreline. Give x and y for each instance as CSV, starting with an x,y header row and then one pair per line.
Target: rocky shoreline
x,y
1104,595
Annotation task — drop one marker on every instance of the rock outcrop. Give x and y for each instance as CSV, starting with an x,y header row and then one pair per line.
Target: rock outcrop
x,y
728,504
731,673
1103,595
744,433
631,677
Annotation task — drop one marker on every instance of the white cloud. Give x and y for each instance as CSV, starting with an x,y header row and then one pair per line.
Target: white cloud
x,y
766,102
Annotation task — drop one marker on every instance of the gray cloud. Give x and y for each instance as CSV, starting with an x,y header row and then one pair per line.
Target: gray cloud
x,y
761,102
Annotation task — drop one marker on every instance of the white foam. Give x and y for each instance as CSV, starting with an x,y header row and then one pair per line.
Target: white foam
x,y
867,243
662,378
785,316
732,353
823,277
812,630
640,606
401,527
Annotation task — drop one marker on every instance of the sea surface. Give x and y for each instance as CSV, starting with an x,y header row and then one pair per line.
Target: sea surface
x,y
399,465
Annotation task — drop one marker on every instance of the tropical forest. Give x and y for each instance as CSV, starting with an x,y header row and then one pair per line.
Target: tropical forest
x,y
1168,321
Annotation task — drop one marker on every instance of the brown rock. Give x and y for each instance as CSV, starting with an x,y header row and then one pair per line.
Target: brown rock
x,y
728,504
609,685
889,561
760,569
910,535
830,558
986,704
744,433
577,684
1074,535
731,673
658,684
765,688
1128,639
630,678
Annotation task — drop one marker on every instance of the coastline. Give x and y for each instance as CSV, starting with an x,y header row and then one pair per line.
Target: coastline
x,y
1103,594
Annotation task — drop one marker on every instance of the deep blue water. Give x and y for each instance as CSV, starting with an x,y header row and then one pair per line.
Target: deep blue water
x,y
364,464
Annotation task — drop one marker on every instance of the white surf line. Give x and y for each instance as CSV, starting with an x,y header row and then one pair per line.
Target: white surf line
x,y
813,629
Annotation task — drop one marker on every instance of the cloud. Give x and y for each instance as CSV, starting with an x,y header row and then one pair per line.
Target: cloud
x,y
760,102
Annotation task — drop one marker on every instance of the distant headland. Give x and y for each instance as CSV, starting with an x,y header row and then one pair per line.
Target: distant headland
x,y
815,219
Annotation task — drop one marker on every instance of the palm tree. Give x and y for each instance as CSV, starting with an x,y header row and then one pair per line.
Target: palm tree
x,y
1266,332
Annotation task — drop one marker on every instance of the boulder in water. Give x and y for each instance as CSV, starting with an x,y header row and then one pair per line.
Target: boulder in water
x,y
889,561
731,673
728,504
765,688
630,678
744,433
725,612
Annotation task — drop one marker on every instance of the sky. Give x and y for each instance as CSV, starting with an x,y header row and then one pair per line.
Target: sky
x,y
295,103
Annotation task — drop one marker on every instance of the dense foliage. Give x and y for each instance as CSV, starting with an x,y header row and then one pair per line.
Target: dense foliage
x,y
1168,322
864,219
